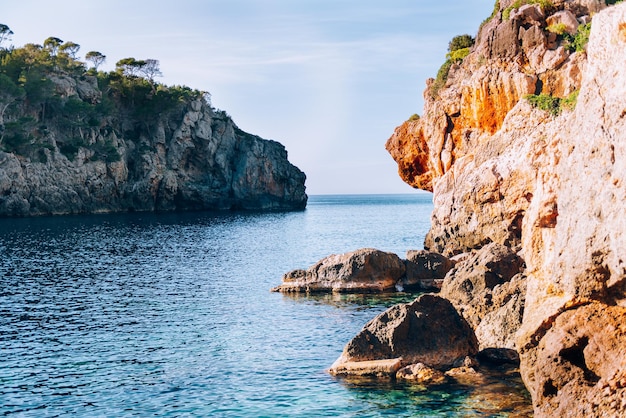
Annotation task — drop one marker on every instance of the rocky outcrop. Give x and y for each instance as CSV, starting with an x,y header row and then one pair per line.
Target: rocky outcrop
x,y
369,270
547,184
190,157
364,270
428,330
488,290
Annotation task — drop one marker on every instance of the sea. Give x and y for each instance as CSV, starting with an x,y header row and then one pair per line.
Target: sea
x,y
171,315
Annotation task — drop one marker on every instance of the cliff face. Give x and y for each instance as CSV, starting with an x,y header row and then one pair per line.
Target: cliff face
x,y
186,157
549,186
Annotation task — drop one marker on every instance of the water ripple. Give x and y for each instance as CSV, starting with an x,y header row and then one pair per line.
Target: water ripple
x,y
170,314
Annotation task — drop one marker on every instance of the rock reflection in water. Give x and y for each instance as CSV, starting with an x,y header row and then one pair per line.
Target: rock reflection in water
x,y
495,392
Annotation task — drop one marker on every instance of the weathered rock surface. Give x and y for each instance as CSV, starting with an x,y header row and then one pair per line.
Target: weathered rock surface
x,y
364,270
579,365
488,290
553,186
579,260
425,270
428,330
190,158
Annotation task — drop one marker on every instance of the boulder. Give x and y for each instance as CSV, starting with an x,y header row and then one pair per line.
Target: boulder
x,y
364,270
528,14
467,375
425,270
566,18
422,374
428,330
471,283
498,327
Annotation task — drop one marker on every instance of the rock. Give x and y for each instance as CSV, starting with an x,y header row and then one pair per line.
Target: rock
x,y
428,330
528,14
425,270
498,356
190,158
372,368
466,361
421,374
364,270
470,284
572,331
578,369
499,326
566,18
549,187
467,376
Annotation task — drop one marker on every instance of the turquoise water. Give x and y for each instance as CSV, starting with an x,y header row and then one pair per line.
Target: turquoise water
x,y
171,315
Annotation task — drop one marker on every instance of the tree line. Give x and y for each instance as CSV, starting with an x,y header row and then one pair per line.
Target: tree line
x,y
30,104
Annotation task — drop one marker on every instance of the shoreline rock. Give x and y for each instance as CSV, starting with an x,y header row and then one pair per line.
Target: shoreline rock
x,y
428,330
369,270
364,270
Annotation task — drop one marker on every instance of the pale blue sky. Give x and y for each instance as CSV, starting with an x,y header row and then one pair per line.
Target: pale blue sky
x,y
330,79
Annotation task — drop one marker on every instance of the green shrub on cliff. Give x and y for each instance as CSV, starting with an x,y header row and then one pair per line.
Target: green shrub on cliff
x,y
458,48
440,80
569,102
458,55
557,28
579,42
551,104
545,102
460,42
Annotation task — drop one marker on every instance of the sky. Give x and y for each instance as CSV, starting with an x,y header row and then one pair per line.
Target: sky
x,y
329,79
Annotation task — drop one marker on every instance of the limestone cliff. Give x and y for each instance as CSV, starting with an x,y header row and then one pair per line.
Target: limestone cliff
x,y
92,148
549,184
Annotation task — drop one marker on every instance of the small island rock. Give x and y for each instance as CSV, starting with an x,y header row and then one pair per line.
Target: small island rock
x,y
364,270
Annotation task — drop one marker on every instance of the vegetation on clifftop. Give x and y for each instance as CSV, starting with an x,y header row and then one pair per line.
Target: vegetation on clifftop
x,y
458,48
49,98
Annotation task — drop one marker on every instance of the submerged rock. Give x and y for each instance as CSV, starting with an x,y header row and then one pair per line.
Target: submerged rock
x,y
428,330
421,374
364,270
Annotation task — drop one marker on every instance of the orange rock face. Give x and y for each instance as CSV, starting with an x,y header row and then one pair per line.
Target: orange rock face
x,y
409,149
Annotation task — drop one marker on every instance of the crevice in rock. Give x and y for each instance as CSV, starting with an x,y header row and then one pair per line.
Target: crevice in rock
x,y
576,356
549,389
538,86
